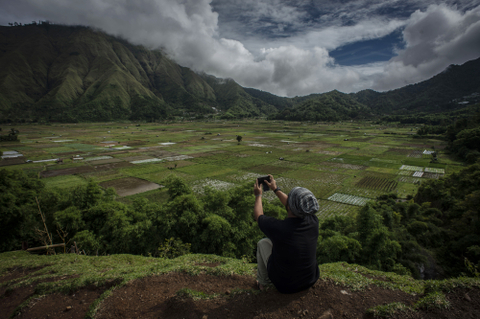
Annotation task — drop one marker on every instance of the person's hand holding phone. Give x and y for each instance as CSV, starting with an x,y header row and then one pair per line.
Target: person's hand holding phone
x,y
272,184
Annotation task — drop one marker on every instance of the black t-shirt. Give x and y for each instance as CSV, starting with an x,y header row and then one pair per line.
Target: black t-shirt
x,y
292,267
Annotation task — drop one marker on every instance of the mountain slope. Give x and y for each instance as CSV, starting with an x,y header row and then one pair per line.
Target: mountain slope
x,y
73,73
65,73
438,94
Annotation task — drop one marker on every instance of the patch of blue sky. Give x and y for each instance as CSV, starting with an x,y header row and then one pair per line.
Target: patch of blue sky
x,y
369,51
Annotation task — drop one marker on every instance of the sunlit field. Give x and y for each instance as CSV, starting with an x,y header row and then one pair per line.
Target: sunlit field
x,y
344,164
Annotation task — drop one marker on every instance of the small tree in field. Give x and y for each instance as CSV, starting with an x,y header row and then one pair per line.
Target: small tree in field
x,y
239,138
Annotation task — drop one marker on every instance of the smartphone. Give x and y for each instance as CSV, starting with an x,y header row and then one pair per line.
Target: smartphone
x,y
261,182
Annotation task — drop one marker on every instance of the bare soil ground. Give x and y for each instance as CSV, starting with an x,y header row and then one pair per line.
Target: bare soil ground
x,y
223,297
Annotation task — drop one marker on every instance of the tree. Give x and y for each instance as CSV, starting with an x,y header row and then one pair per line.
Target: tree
x,y
239,138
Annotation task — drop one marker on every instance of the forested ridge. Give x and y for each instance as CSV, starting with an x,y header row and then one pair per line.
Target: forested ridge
x,y
432,235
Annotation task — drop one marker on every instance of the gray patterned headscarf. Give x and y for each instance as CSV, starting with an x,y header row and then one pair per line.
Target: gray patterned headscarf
x,y
302,202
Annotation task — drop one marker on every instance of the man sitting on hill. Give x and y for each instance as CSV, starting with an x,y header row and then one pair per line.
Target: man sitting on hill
x,y
287,258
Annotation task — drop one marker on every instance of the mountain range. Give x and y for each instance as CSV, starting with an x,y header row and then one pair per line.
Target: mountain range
x,y
75,73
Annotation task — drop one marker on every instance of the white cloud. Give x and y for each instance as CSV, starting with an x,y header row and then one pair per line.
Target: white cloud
x,y
296,65
436,38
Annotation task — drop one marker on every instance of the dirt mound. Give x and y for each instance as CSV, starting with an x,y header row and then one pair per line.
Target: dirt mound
x,y
180,295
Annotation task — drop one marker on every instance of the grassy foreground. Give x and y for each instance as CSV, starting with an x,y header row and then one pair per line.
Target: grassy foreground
x,y
77,271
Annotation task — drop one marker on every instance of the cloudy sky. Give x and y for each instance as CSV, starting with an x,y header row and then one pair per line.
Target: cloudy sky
x,y
286,47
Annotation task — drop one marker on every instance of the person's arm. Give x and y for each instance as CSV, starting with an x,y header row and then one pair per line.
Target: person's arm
x,y
258,207
273,186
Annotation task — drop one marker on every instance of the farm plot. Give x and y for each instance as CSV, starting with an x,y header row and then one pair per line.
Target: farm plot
x,y
11,154
399,151
130,186
349,199
64,182
341,166
417,174
287,163
331,153
411,168
269,169
382,160
382,184
331,209
205,170
240,177
416,154
411,180
82,147
433,175
97,158
199,185
362,192
177,158
12,161
434,170
353,160
147,161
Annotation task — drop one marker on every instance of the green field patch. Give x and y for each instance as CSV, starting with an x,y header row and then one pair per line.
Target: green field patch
x,y
102,176
82,147
330,209
137,157
405,188
288,164
106,161
59,169
269,169
142,169
336,166
130,186
322,185
201,148
198,186
251,161
239,177
351,159
305,158
61,149
349,199
371,150
383,170
177,164
205,170
382,184
362,192
159,176
410,179
19,148
398,151
64,182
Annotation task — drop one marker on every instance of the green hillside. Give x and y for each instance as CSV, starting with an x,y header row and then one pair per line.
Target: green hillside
x,y
60,73
74,73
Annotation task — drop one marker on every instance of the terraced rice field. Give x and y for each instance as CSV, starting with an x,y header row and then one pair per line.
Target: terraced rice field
x,y
343,164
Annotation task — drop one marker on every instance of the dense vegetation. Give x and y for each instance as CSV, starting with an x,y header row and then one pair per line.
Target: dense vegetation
x,y
219,223
428,236
437,229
